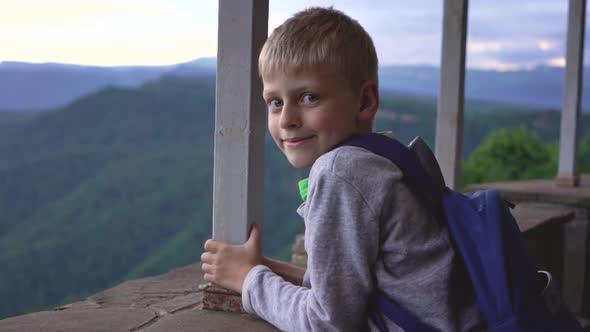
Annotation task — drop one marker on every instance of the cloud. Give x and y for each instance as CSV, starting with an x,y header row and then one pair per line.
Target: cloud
x,y
108,32
111,52
508,35
556,62
502,34
495,64
35,14
404,32
546,45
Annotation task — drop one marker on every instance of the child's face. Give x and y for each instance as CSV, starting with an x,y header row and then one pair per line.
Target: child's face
x,y
310,112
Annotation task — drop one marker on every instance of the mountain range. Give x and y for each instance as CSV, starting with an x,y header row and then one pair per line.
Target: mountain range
x,y
27,86
33,87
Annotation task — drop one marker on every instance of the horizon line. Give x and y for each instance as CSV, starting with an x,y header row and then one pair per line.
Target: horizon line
x,y
480,68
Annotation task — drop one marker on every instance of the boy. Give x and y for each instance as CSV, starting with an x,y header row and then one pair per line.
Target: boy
x,y
365,230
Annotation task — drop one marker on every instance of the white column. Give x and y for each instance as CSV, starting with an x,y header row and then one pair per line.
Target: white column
x,y
449,121
570,114
239,120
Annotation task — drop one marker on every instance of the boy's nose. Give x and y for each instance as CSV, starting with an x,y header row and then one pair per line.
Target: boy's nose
x,y
290,117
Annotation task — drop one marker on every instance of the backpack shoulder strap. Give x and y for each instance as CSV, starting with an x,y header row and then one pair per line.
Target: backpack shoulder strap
x,y
396,314
405,159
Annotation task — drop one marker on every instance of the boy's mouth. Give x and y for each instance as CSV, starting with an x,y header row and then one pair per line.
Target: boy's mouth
x,y
297,141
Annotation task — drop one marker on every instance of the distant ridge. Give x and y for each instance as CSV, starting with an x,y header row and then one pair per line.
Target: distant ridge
x,y
29,86
39,86
540,87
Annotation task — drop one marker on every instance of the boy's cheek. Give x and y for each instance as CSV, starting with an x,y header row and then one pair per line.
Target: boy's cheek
x,y
274,134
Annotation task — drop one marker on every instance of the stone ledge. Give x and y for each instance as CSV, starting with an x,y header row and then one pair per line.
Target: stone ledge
x,y
534,216
544,191
221,299
168,302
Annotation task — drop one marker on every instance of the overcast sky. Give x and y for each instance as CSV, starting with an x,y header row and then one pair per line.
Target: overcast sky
x,y
503,34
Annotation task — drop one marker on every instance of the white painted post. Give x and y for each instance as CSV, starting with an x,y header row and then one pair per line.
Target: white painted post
x,y
239,120
449,121
570,114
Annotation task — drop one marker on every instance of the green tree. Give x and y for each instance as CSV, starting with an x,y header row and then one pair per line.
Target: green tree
x,y
511,154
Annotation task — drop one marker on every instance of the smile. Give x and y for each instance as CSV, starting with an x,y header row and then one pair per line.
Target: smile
x,y
296,142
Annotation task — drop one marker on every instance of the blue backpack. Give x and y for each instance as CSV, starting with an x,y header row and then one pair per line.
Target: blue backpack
x,y
489,242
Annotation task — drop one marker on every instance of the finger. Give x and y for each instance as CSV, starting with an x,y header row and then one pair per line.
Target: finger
x,y
211,245
209,277
207,257
208,268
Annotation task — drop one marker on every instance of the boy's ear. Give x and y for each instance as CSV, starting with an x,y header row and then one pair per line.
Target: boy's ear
x,y
369,101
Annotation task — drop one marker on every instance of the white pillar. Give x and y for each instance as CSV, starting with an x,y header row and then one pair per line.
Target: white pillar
x,y
570,114
449,121
239,120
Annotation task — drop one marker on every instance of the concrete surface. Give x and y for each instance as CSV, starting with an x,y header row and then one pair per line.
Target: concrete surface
x,y
168,302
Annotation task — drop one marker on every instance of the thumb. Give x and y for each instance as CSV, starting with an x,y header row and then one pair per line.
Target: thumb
x,y
255,234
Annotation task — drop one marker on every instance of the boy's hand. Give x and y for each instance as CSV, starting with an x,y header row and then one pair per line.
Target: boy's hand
x,y
227,265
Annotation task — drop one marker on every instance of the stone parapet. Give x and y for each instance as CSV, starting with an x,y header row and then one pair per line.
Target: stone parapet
x,y
169,302
221,299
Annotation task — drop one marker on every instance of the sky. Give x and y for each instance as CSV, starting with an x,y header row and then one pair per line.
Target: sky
x,y
502,34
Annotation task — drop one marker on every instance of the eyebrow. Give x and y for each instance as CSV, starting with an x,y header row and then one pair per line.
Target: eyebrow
x,y
296,89
267,93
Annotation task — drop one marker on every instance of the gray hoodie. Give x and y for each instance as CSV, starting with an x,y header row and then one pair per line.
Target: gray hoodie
x,y
365,230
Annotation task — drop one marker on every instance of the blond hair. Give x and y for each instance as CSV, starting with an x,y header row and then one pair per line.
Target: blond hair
x,y
320,36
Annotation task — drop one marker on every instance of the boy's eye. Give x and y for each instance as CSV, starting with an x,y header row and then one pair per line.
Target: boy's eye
x,y
309,98
276,103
